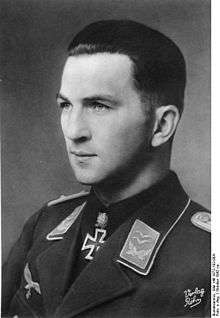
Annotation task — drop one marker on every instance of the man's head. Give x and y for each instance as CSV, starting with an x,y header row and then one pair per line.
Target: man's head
x,y
158,65
122,95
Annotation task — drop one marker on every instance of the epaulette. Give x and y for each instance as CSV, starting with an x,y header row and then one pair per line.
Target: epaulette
x,y
64,198
202,220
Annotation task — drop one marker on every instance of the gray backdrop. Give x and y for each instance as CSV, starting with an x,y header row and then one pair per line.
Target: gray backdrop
x,y
35,36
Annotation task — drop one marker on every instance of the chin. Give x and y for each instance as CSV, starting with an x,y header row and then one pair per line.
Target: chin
x,y
92,175
88,173
88,179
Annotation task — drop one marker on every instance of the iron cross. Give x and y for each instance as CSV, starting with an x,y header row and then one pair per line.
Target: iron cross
x,y
93,243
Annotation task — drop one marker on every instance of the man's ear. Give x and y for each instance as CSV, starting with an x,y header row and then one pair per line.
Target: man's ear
x,y
166,120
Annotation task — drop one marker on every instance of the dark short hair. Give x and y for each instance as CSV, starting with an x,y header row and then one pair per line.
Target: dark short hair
x,y
159,66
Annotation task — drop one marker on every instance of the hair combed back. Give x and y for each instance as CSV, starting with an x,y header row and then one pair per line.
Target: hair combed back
x,y
159,66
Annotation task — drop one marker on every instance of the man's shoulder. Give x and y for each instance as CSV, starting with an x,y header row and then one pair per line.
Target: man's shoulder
x,y
195,223
199,217
197,206
189,244
192,235
57,210
67,198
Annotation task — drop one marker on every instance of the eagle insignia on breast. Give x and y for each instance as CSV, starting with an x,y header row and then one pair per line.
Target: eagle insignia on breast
x,y
30,283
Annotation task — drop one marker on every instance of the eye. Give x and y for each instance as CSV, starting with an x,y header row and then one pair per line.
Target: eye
x,y
65,105
99,107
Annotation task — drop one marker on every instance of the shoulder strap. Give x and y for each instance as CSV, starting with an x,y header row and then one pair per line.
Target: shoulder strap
x,y
202,220
64,198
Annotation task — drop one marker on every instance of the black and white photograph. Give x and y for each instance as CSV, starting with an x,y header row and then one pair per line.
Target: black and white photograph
x,y
106,159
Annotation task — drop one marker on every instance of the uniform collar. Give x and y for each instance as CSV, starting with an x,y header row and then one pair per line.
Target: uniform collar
x,y
120,211
139,199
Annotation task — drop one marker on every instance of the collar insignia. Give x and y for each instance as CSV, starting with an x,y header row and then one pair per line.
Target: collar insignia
x,y
63,227
30,283
202,220
139,245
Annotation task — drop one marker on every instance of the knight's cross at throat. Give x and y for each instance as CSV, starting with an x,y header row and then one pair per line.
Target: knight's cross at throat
x,y
93,243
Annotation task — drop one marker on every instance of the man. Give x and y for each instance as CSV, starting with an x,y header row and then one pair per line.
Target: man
x,y
136,245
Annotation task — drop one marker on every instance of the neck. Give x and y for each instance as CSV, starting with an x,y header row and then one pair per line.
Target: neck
x,y
121,189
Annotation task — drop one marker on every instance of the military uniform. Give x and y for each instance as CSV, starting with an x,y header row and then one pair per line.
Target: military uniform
x,y
154,263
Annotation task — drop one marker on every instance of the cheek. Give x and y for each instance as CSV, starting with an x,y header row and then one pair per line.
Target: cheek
x,y
123,136
62,123
65,128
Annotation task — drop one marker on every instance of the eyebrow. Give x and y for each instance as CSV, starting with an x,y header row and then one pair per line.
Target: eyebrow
x,y
59,95
90,99
106,98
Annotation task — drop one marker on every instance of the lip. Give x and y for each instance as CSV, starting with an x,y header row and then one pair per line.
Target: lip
x,y
82,154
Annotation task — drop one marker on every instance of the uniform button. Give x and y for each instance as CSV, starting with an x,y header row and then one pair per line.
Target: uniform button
x,y
15,316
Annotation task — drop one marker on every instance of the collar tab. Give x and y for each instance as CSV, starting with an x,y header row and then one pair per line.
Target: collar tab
x,y
63,227
138,248
143,243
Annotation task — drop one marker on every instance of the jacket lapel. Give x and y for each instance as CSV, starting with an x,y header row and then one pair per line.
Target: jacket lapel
x,y
52,267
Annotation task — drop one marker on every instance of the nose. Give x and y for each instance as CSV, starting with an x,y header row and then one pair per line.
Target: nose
x,y
75,125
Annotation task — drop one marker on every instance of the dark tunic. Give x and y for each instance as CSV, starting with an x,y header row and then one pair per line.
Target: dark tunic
x,y
62,283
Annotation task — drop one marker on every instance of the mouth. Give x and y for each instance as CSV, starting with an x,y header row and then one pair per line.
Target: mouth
x,y
82,154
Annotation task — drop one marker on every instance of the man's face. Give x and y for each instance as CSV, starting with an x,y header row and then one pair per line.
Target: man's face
x,y
104,122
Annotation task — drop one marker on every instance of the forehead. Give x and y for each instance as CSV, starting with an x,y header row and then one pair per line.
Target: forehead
x,y
103,71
